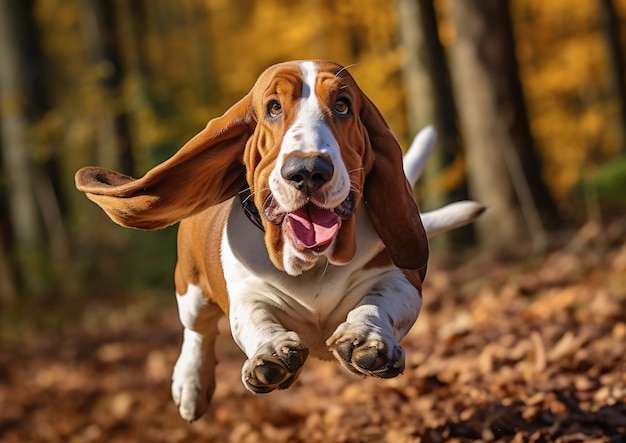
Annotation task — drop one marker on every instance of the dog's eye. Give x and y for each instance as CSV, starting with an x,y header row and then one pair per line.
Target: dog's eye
x,y
342,107
274,109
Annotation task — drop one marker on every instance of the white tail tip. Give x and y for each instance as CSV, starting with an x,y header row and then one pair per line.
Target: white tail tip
x,y
415,158
451,216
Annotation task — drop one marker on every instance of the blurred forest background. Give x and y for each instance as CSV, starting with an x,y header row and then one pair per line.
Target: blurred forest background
x,y
528,97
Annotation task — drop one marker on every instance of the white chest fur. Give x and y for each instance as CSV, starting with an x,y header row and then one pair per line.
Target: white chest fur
x,y
312,304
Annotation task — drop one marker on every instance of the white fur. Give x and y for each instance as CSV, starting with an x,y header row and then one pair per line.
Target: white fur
x,y
190,305
194,372
328,302
415,157
450,217
309,133
264,300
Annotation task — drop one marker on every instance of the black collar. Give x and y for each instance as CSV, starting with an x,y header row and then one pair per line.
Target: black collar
x,y
250,209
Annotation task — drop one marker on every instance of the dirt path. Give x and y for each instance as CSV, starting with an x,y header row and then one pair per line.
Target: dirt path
x,y
498,354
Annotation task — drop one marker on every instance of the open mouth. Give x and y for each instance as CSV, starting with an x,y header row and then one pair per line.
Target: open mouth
x,y
312,227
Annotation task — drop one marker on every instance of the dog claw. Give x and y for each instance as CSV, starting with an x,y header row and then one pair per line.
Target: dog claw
x,y
365,353
267,371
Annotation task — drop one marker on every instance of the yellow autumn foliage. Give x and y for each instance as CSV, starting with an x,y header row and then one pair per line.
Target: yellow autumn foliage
x,y
352,32
200,56
564,70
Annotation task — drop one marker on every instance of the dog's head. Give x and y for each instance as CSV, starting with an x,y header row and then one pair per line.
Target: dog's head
x,y
311,148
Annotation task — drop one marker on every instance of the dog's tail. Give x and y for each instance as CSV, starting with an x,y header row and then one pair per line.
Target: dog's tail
x,y
415,158
451,216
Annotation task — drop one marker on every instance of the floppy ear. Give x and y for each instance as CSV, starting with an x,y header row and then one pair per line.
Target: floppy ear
x,y
207,170
389,197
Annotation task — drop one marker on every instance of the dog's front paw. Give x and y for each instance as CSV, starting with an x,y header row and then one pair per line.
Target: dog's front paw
x,y
365,350
275,365
192,389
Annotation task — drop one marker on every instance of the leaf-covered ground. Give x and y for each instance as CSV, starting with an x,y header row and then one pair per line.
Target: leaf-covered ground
x,y
509,352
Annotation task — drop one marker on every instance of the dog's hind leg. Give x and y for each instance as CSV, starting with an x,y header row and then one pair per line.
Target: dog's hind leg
x,y
193,381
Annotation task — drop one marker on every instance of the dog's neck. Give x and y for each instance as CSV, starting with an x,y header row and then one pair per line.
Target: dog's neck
x,y
250,209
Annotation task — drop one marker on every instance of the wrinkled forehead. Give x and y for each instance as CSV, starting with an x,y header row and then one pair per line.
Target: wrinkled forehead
x,y
301,78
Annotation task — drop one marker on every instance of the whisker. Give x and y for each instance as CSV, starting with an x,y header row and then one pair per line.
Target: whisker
x,y
354,186
355,189
269,197
245,200
325,269
345,68
355,170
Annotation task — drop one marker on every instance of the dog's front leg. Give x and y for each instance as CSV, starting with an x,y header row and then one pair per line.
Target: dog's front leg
x,y
367,343
193,380
275,355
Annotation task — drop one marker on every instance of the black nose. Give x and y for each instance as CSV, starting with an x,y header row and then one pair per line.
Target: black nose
x,y
307,173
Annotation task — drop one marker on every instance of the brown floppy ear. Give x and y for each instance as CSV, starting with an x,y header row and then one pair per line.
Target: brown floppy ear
x,y
207,170
389,197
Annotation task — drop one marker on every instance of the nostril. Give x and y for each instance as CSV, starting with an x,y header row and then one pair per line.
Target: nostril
x,y
297,180
322,169
318,179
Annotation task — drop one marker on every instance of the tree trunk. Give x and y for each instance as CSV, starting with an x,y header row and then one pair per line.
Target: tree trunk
x,y
15,147
421,95
610,25
430,101
24,218
504,170
99,28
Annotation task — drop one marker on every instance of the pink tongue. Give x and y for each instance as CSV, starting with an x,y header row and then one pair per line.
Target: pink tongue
x,y
312,226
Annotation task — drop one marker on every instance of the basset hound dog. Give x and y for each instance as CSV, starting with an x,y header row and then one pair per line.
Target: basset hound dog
x,y
297,222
